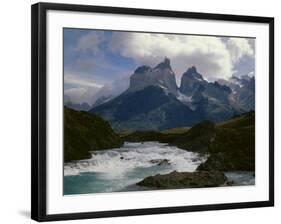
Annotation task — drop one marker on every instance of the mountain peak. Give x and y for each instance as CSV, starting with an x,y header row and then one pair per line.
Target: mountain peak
x,y
167,60
192,69
191,80
162,75
192,72
165,64
142,69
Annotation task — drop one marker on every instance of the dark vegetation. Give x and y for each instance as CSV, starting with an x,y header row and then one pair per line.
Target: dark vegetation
x,y
233,147
84,132
231,144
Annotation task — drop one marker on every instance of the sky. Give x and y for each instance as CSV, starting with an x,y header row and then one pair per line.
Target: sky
x,y
96,58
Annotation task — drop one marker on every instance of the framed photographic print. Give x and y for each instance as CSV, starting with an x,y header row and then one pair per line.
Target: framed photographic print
x,y
139,111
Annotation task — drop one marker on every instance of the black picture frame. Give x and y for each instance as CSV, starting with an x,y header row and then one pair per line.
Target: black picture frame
x,y
39,122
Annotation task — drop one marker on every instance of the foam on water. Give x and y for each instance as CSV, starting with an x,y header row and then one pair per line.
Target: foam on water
x,y
117,162
120,168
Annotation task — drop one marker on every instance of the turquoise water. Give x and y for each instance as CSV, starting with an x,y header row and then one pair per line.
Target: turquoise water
x,y
94,182
241,178
118,170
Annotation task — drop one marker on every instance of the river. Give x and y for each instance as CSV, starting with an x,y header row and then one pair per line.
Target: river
x,y
119,169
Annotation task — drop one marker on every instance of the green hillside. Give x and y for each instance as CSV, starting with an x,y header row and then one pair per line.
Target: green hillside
x,y
84,132
197,138
231,144
233,147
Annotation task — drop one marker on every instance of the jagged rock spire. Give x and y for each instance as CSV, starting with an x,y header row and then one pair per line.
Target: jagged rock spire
x,y
192,71
162,76
165,64
191,80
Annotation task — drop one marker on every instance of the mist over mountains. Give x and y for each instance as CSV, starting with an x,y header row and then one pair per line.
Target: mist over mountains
x,y
153,101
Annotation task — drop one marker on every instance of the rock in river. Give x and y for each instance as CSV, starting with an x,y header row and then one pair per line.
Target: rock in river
x,y
160,162
185,180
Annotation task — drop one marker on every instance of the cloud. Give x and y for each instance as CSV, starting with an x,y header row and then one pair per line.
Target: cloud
x,y
81,94
90,94
212,56
95,59
90,42
251,73
78,80
239,47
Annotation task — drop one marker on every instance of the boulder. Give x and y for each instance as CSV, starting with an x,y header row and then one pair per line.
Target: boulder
x,y
160,162
219,161
185,180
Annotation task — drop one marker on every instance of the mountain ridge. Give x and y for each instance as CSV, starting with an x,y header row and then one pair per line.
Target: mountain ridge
x,y
153,95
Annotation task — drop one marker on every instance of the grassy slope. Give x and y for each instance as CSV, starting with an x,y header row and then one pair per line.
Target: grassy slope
x,y
179,130
84,132
196,138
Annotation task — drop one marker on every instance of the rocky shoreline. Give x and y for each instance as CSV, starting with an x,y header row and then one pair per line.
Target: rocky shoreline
x,y
230,146
176,179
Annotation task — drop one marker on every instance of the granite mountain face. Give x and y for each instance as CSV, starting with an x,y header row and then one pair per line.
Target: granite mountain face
x,y
243,91
151,108
210,99
191,81
162,76
153,101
